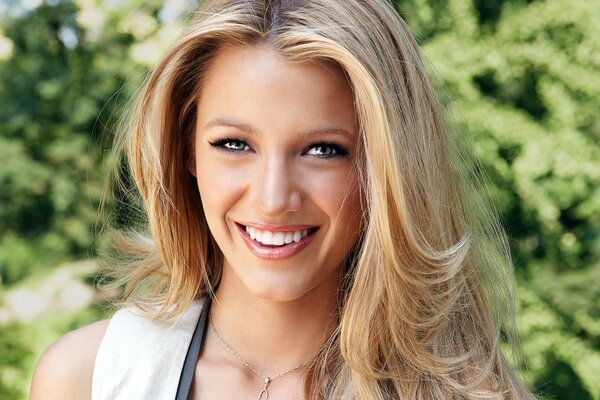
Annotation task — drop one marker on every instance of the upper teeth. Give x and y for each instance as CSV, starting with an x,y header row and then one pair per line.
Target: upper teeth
x,y
275,238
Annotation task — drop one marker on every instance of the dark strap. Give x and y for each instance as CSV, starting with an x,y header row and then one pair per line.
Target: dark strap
x,y
189,365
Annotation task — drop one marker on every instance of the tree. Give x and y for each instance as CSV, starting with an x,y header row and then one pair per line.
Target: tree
x,y
526,78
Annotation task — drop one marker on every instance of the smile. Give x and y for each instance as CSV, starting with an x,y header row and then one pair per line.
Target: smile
x,y
276,244
276,238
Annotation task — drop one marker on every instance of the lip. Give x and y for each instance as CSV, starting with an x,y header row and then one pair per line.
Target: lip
x,y
276,228
279,252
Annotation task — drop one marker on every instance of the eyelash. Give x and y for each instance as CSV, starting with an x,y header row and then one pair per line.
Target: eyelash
x,y
340,151
221,144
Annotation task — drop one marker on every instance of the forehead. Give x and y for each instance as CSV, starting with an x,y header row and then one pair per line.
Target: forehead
x,y
259,85
261,61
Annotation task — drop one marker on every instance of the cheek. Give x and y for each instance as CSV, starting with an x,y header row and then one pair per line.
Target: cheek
x,y
338,195
349,219
219,188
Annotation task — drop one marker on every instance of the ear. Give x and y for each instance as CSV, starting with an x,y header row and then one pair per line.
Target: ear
x,y
191,163
191,148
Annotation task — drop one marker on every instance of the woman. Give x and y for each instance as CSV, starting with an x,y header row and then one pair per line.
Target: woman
x,y
312,234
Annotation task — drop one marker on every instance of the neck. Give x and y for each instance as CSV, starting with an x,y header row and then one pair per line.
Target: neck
x,y
271,335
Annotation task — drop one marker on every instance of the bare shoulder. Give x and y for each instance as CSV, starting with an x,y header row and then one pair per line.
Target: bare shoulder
x,y
65,369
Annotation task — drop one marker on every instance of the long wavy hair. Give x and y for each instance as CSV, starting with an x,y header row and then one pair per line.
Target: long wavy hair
x,y
429,285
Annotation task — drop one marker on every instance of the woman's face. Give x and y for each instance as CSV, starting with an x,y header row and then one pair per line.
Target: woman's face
x,y
274,159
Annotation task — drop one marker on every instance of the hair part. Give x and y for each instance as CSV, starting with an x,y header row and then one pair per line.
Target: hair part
x,y
428,285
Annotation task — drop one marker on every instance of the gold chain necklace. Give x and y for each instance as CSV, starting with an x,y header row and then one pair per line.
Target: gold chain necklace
x,y
266,379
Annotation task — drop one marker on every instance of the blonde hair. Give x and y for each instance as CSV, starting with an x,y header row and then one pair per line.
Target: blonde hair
x,y
429,284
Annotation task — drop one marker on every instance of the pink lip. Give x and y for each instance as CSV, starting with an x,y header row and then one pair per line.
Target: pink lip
x,y
277,228
279,252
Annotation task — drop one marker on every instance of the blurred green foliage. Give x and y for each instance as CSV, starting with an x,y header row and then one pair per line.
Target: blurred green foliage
x,y
14,355
57,98
524,79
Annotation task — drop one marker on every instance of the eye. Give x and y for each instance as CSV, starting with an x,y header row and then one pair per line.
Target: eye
x,y
326,150
229,144
236,145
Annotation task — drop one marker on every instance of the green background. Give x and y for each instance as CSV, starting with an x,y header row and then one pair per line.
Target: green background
x,y
522,77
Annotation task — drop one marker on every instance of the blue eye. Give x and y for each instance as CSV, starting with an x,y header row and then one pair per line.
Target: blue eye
x,y
326,150
236,145
230,145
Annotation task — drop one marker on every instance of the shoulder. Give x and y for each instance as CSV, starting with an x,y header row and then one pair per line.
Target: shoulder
x,y
141,357
65,369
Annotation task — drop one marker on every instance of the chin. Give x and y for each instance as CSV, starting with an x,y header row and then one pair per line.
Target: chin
x,y
281,282
277,292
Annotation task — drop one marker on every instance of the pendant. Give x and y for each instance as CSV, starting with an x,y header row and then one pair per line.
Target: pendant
x,y
265,390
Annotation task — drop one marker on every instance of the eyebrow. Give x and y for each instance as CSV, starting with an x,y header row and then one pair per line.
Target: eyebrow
x,y
230,123
244,127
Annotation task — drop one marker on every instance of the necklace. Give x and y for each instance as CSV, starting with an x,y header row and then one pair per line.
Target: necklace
x,y
266,379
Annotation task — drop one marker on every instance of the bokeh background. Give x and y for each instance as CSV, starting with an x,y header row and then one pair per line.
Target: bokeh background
x,y
522,77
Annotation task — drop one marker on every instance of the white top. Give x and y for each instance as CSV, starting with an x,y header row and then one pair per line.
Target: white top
x,y
140,358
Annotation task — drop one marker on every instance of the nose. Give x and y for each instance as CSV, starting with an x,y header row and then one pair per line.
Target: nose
x,y
275,189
